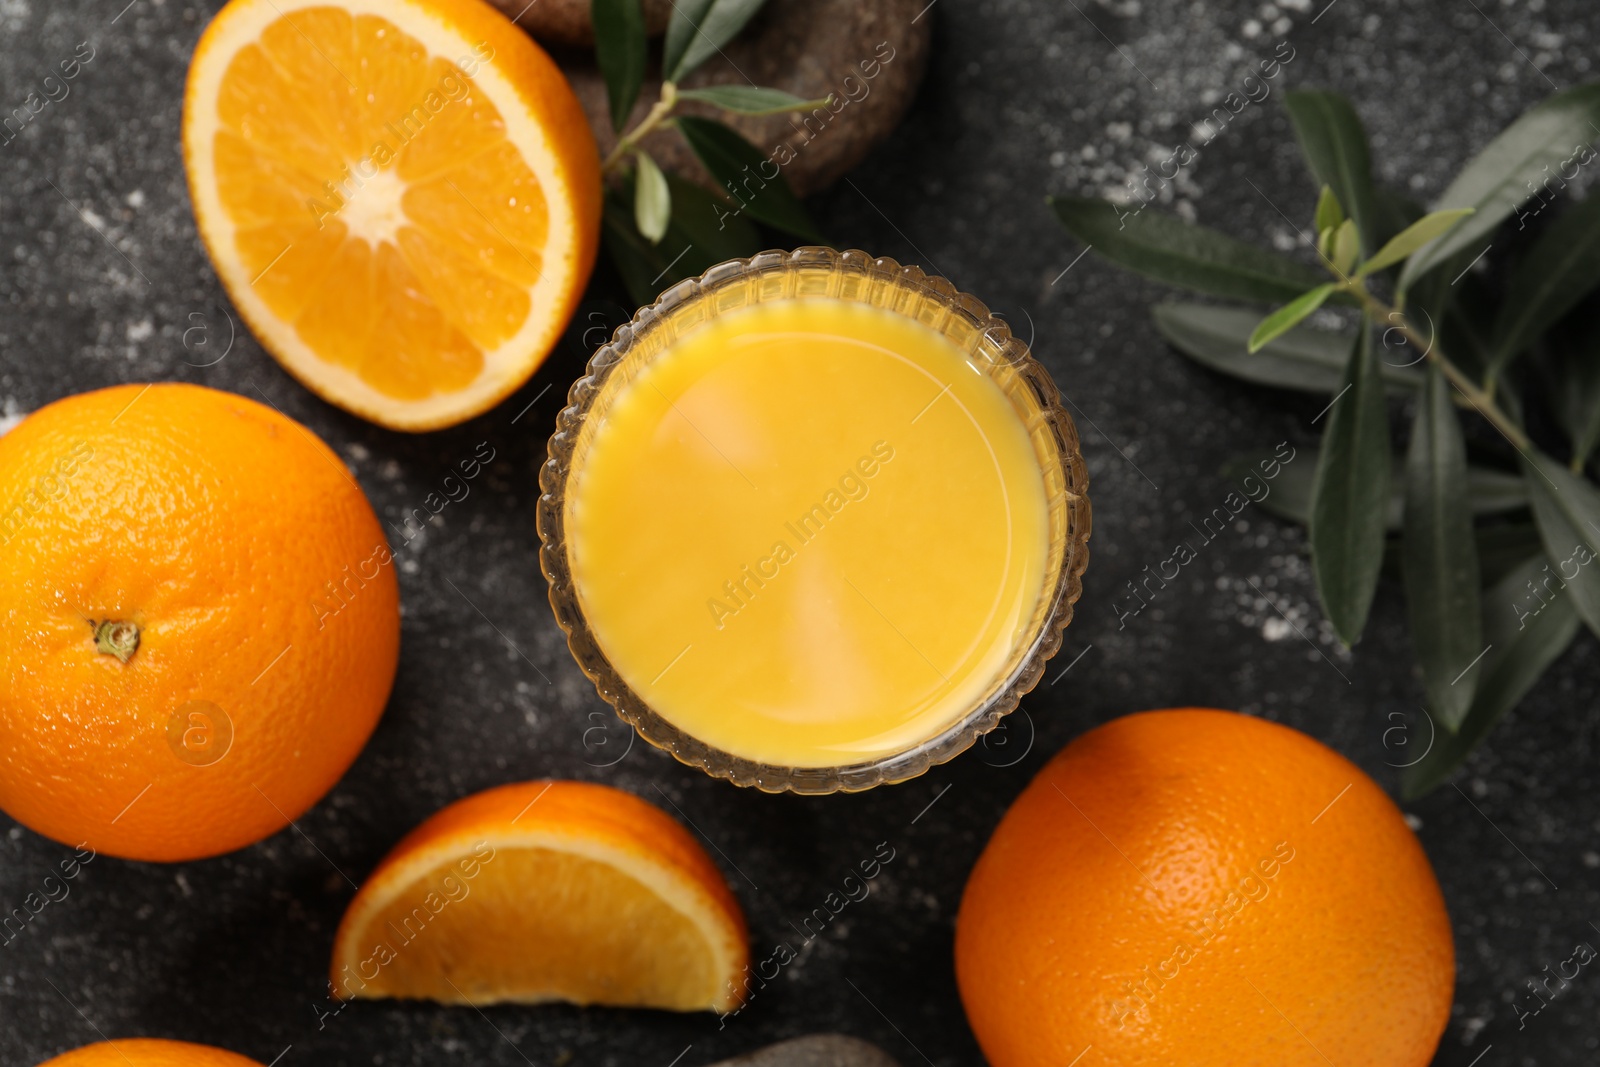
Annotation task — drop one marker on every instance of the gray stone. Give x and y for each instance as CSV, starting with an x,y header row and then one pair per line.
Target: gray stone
x,y
869,54
567,22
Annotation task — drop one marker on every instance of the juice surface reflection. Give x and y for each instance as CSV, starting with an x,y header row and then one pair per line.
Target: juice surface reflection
x,y
810,533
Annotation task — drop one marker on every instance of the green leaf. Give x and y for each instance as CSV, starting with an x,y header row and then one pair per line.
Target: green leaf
x,y
1549,281
619,49
1504,547
1308,360
1170,250
1464,316
1582,403
1489,492
1325,239
698,30
1395,211
1346,247
1287,494
703,221
1575,392
1504,175
1351,494
1412,238
1524,635
682,29
750,99
1566,508
1447,303
1329,213
652,200
1439,560
700,234
1289,316
1335,145
1510,402
738,165
643,270
635,258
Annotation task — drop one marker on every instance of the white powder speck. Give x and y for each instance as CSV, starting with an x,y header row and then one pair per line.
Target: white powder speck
x,y
13,13
10,414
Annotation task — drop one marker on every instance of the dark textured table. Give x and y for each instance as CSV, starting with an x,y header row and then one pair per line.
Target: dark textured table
x,y
103,275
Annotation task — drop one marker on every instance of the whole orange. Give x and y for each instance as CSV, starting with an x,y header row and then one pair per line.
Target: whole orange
x,y
199,622
148,1052
1199,887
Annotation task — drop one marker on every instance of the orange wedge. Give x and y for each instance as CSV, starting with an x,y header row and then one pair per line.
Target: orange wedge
x,y
402,197
545,891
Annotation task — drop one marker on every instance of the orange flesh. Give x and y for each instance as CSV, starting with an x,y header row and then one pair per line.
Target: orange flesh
x,y
491,939
379,207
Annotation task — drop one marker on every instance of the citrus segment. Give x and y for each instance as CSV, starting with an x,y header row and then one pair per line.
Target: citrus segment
x,y
402,199
546,891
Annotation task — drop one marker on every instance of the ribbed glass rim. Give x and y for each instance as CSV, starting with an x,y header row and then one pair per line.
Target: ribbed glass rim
x,y
976,331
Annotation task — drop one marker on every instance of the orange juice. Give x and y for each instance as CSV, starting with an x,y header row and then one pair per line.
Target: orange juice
x,y
810,532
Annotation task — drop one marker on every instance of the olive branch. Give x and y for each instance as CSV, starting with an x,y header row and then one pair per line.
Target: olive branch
x,y
659,228
1499,558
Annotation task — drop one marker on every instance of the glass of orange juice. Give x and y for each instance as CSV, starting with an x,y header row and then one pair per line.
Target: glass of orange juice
x,y
814,521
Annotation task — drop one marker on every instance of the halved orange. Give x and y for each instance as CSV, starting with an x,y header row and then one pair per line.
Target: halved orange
x,y
148,1052
542,891
402,197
